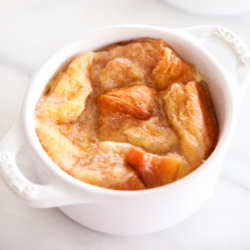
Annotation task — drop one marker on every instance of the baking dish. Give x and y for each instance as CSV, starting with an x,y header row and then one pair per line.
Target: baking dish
x,y
128,212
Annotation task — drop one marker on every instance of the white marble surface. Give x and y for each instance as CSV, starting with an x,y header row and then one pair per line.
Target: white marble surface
x,y
30,31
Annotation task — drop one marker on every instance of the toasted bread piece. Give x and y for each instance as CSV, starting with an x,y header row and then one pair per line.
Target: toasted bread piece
x,y
119,71
67,101
155,171
171,69
106,168
138,101
59,148
190,111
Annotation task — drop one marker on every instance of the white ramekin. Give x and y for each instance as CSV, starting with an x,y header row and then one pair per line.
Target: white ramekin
x,y
128,212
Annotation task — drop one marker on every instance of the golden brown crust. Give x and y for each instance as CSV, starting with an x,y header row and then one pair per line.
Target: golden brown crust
x,y
156,171
106,168
209,117
138,101
101,117
171,69
119,71
196,126
54,143
133,115
67,101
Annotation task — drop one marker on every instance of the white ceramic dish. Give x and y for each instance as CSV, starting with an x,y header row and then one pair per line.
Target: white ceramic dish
x,y
128,212
212,7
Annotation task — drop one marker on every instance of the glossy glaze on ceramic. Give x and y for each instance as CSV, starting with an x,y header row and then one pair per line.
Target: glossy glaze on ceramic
x,y
128,212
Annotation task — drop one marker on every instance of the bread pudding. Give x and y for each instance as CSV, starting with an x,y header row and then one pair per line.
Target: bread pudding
x,y
131,116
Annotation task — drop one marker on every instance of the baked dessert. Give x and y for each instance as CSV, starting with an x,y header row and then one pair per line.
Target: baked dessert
x,y
131,116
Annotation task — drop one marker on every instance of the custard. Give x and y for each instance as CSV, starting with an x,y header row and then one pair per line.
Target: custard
x,y
131,116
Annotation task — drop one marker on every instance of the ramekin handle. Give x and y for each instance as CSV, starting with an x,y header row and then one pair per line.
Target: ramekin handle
x,y
51,195
241,75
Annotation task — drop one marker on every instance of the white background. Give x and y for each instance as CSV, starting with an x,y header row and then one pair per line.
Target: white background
x,y
29,32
